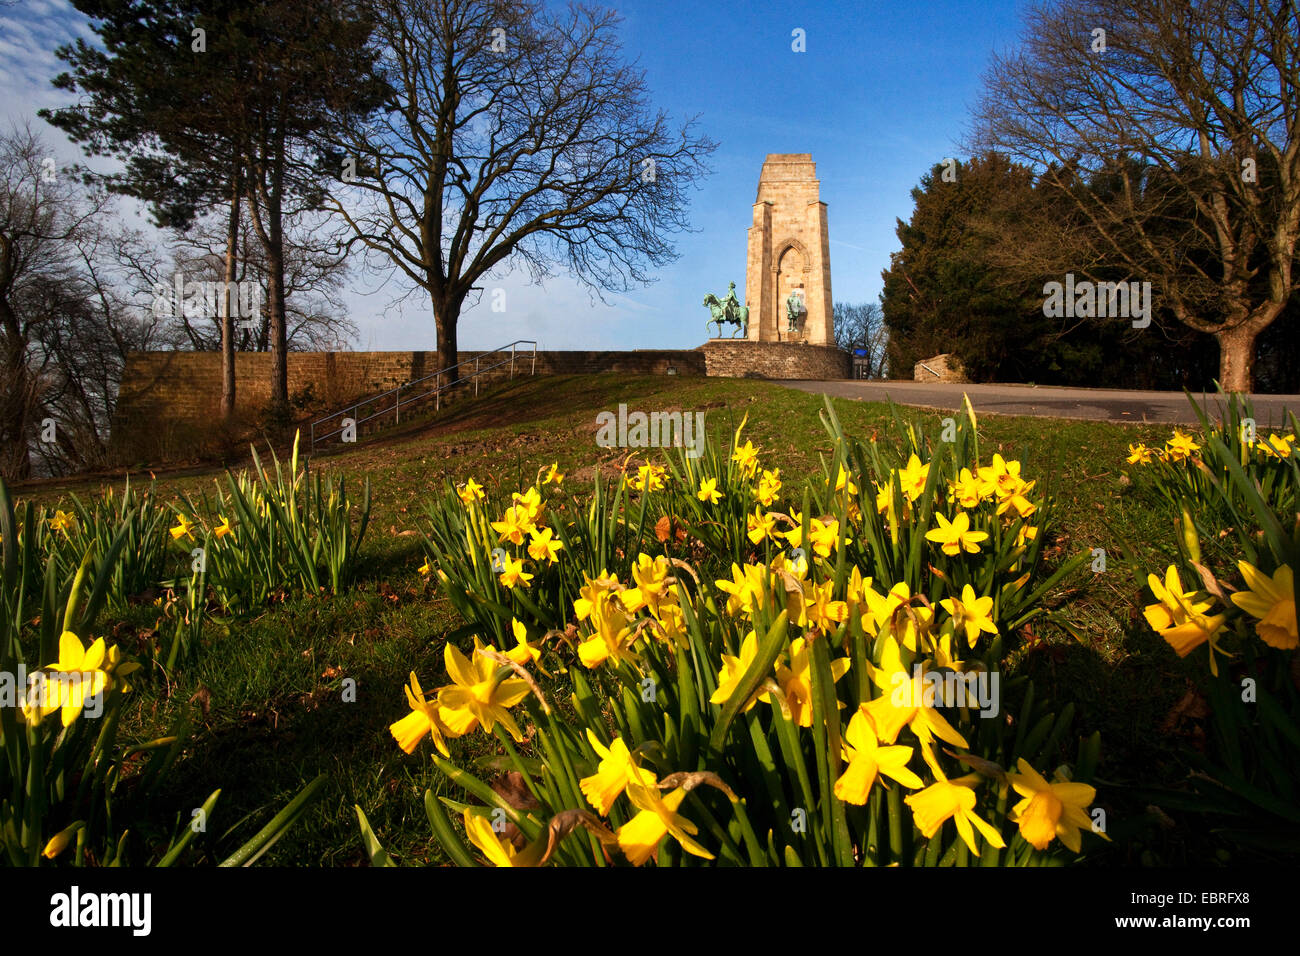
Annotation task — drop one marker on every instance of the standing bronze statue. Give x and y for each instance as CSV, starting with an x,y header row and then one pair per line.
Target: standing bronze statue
x,y
794,309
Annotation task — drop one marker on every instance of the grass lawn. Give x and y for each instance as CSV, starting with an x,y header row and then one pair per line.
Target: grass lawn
x,y
265,692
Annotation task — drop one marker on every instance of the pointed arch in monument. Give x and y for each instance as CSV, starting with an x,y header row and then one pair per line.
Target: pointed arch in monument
x,y
790,269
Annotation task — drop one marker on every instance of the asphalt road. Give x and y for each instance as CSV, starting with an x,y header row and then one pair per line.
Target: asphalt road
x,y
1096,404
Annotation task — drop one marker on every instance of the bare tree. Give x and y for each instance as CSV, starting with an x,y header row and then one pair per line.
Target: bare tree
x,y
314,272
68,316
83,347
862,326
510,132
41,216
1187,112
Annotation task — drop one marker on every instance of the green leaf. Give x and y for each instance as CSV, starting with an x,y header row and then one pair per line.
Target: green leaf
x,y
374,849
252,851
178,847
446,834
768,651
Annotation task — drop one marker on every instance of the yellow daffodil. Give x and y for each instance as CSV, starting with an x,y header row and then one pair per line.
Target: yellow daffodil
x,y
586,600
1278,446
820,611
554,475
1181,446
613,633
1050,810
1140,454
63,521
967,490
761,525
746,589
522,652
530,502
972,613
513,573
746,456
999,476
653,584
955,799
498,850
796,565
640,836
79,675
613,774
470,492
956,536
709,491
855,597
1003,477
513,525
903,704
1182,622
424,718
866,760
945,658
733,669
670,624
769,485
182,529
794,537
476,694
913,477
648,478
794,591
61,840
426,569
795,680
885,499
883,608
543,545
1272,601
824,536
842,482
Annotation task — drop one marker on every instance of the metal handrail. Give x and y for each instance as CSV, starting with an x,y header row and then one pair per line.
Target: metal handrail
x,y
436,391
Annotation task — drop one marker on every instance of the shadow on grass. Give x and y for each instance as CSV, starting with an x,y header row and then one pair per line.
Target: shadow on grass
x,y
309,690
1152,713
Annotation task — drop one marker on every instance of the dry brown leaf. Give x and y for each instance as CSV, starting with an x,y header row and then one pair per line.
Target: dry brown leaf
x,y
1192,706
203,697
664,529
512,788
981,766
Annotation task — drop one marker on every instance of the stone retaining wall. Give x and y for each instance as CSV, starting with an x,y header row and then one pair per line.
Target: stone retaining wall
x,y
169,402
941,368
740,358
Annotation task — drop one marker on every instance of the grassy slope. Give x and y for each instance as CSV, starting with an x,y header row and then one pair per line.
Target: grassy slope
x,y
271,712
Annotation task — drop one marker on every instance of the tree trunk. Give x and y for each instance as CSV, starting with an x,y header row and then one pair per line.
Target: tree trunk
x,y
445,316
1237,357
228,315
275,294
15,419
266,199
17,398
275,306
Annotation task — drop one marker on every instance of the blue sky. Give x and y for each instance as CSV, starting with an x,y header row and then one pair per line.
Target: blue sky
x,y
882,92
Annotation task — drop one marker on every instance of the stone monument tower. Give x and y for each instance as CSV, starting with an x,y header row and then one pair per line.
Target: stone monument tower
x,y
789,255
